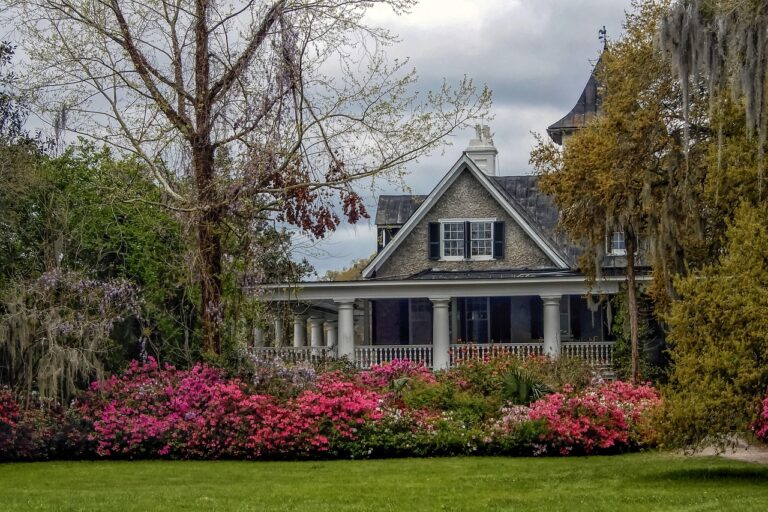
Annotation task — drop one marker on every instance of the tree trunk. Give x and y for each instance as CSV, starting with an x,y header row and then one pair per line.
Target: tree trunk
x,y
631,247
209,224
211,216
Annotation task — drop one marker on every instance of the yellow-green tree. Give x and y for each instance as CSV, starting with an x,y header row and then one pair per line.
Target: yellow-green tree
x,y
351,273
719,330
608,172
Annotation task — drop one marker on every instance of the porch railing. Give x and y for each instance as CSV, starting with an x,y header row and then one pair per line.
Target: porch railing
x,y
368,355
295,354
470,351
597,353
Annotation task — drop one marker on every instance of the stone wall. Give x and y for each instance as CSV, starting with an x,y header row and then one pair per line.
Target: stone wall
x,y
466,198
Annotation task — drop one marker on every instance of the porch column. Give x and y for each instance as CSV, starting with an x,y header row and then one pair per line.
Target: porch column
x,y
330,334
316,333
299,331
279,332
441,341
346,341
258,336
551,325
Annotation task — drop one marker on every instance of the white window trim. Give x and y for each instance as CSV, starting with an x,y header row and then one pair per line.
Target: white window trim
x,y
465,257
609,245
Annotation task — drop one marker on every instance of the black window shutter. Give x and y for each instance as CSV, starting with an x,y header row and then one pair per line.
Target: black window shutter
x,y
498,240
467,239
433,245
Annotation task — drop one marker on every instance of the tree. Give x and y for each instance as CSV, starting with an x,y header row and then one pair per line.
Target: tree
x,y
719,330
353,272
622,172
724,43
239,111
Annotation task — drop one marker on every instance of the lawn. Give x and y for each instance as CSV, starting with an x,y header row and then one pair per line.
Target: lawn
x,y
626,483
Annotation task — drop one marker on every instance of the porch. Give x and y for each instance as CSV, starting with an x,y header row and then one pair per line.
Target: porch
x,y
439,322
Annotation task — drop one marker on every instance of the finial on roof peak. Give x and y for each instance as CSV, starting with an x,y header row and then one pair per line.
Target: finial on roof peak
x,y
602,36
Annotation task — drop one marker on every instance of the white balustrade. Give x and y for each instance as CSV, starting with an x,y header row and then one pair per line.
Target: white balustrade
x,y
480,351
597,353
369,355
294,354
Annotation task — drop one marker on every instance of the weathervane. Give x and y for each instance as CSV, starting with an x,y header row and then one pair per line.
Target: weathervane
x,y
603,36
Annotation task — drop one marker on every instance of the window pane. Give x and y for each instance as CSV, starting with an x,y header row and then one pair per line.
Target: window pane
x,y
481,238
617,241
453,239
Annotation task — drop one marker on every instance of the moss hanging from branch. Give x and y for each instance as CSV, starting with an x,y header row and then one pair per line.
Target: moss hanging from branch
x,y
725,43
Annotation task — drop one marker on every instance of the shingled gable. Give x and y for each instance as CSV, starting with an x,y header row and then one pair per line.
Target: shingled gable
x,y
509,204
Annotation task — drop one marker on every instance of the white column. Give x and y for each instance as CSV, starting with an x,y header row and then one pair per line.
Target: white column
x,y
346,341
316,333
441,341
551,325
258,336
299,331
279,340
330,334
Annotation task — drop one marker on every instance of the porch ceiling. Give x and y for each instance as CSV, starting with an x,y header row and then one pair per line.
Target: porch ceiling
x,y
409,289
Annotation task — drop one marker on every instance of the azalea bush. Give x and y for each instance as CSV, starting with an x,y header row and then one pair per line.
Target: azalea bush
x,y
280,410
38,429
760,425
606,418
198,413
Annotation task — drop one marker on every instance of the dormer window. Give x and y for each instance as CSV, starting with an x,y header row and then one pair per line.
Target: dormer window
x,y
466,239
616,245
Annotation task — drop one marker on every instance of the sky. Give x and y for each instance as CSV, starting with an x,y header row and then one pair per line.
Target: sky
x,y
536,57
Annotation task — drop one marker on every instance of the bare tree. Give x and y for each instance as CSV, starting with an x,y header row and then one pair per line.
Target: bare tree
x,y
242,110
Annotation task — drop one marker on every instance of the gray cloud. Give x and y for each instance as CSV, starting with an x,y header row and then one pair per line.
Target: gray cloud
x,y
535,55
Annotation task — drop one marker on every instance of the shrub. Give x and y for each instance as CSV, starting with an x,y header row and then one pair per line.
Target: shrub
x,y
38,429
280,379
396,374
760,425
198,413
562,372
607,418
514,433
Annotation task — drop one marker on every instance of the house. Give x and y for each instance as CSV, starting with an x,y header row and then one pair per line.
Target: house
x,y
477,260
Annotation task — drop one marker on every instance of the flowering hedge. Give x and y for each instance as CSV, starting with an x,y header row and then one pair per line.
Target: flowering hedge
x,y
608,417
198,413
395,409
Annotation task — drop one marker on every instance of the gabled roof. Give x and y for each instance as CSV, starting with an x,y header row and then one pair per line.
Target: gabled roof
x,y
504,199
540,210
396,210
585,109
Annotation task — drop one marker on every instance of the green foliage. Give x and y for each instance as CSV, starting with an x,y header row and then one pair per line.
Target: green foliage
x,y
467,406
649,370
352,273
719,340
521,387
555,374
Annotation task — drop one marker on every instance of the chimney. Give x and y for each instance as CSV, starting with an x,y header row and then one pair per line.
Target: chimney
x,y
482,151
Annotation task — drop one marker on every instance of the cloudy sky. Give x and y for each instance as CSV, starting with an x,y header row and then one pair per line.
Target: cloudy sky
x,y
535,55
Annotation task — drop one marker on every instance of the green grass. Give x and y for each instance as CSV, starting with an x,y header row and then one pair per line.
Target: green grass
x,y
639,482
